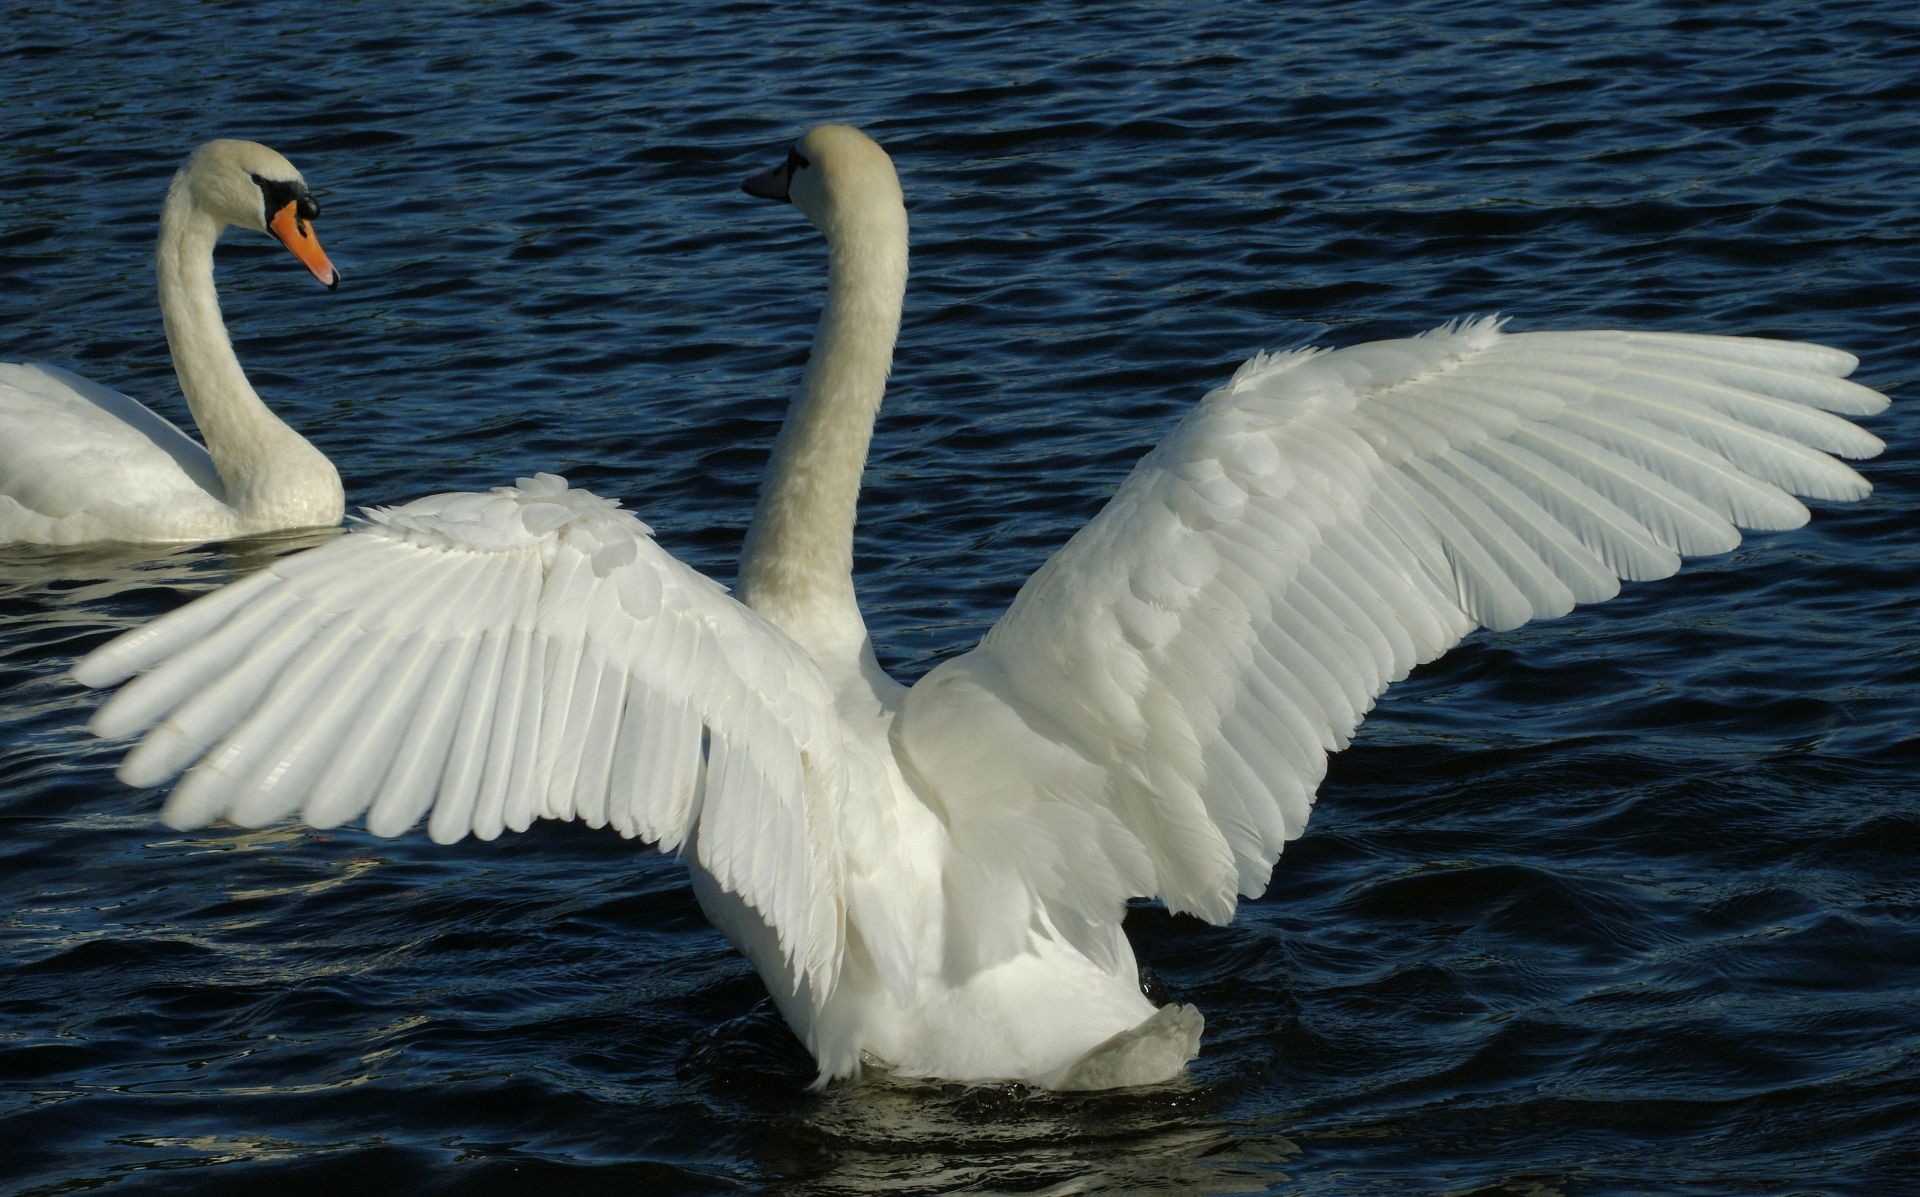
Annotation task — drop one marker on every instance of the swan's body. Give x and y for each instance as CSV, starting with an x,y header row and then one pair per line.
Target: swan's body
x,y
932,878
80,462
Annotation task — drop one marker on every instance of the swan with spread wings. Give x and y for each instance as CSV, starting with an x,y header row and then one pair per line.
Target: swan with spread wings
x,y
931,879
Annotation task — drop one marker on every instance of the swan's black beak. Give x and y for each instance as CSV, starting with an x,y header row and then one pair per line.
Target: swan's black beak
x,y
294,229
776,184
770,184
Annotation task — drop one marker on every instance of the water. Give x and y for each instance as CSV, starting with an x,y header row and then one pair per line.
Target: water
x,y
1621,903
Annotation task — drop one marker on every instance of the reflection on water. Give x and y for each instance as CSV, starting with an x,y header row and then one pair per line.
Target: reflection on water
x,y
52,599
888,1135
98,572
895,1137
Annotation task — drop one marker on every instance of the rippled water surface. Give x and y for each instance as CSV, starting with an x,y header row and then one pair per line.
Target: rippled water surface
x,y
1620,903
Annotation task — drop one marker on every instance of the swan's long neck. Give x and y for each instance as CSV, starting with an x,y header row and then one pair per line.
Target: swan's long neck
x,y
797,565
270,473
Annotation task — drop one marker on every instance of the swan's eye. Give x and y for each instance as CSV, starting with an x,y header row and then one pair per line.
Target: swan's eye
x,y
277,194
795,162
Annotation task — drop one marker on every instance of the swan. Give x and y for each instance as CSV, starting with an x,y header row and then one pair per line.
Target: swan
x,y
931,878
80,462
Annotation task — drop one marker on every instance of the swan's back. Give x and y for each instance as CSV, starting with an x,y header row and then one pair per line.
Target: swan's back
x,y
82,462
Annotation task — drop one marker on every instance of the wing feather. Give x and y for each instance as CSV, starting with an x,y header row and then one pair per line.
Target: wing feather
x,y
457,798
1675,518
1626,546
1569,565
349,780
407,789
1311,532
504,741
483,660
596,753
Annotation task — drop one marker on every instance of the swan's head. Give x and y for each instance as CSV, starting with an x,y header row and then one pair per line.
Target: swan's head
x,y
246,184
837,176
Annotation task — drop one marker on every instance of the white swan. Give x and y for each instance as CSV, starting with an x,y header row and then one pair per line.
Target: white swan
x,y
932,878
81,463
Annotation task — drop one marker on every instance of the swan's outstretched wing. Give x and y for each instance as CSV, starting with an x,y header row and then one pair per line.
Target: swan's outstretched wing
x,y
1154,713
487,659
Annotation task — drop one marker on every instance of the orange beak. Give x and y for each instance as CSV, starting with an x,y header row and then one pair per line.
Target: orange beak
x,y
297,235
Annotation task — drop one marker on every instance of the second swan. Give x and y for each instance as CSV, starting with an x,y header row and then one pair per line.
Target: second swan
x,y
81,463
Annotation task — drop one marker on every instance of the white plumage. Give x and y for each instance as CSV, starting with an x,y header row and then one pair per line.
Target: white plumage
x,y
932,879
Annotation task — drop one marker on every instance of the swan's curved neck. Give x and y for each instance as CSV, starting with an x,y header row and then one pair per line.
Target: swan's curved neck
x,y
268,470
797,565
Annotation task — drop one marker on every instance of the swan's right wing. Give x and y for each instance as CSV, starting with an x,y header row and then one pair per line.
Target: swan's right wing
x,y
1154,713
482,660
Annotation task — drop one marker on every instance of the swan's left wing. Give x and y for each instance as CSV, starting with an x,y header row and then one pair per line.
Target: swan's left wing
x,y
484,660
1154,713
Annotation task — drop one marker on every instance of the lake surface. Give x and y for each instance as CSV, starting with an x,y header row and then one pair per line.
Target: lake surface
x,y
1622,903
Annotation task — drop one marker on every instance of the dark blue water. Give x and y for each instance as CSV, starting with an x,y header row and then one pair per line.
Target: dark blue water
x,y
1624,903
